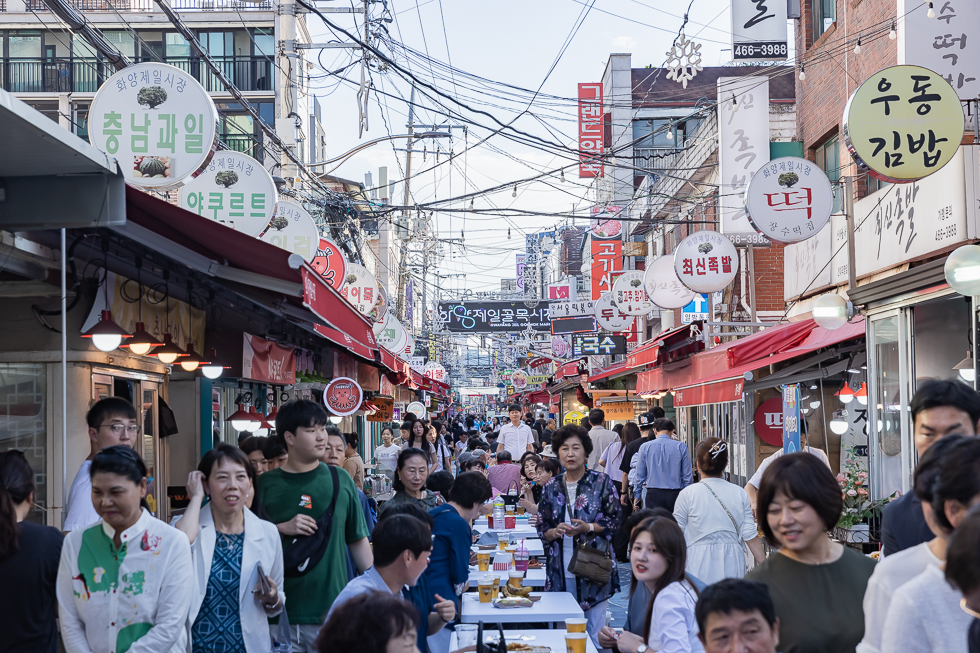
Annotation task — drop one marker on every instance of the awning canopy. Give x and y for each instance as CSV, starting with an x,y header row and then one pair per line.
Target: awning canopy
x,y
613,371
568,369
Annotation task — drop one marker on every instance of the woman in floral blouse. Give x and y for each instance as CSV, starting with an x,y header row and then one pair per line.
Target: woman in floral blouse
x,y
593,518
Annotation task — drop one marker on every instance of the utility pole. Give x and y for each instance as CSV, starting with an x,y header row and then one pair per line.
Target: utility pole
x,y
406,198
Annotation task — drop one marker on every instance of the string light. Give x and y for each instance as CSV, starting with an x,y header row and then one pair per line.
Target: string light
x,y
857,48
892,34
471,204
802,72
932,12
508,233
514,194
670,132
562,180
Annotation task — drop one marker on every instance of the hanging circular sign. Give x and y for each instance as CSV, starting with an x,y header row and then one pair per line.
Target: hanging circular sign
x,y
293,230
789,199
518,379
391,335
628,294
903,123
435,371
343,396
663,287
360,288
330,263
416,408
769,421
573,417
158,121
234,190
605,226
610,318
560,346
409,349
706,261
379,312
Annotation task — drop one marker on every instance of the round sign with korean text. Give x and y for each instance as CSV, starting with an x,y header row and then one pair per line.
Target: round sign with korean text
x,y
789,199
663,287
293,230
903,123
360,288
409,349
234,190
610,318
159,123
390,334
769,421
706,261
417,408
628,294
380,309
560,346
518,379
343,396
435,371
330,263
573,417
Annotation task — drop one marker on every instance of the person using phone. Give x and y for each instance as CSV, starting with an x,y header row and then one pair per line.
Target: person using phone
x,y
231,549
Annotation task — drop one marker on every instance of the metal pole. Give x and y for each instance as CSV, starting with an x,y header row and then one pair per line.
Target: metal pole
x,y
849,215
64,382
751,257
406,198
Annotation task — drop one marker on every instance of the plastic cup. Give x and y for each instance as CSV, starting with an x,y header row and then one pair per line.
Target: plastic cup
x,y
465,635
515,579
496,586
576,625
483,560
503,539
485,586
575,642
509,510
520,510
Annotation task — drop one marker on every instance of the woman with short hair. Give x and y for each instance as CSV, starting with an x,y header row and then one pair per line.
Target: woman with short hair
x,y
373,622
716,518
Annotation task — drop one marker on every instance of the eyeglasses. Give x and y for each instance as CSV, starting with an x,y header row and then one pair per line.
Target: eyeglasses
x,y
132,430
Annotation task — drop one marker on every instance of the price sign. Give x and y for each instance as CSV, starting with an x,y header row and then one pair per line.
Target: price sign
x,y
234,190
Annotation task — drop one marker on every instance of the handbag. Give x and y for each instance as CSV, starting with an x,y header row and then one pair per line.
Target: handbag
x,y
306,551
588,560
745,549
511,499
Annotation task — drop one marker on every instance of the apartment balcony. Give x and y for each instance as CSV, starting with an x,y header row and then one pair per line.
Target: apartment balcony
x,y
654,160
144,6
71,75
246,144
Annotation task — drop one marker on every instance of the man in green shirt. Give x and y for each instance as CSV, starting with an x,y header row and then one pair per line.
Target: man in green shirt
x,y
294,497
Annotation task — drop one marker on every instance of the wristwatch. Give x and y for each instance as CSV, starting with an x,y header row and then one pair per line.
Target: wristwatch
x,y
642,648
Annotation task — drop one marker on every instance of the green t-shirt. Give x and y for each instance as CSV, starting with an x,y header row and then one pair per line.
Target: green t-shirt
x,y
284,495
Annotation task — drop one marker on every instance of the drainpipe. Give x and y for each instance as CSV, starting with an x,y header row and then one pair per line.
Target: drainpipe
x,y
743,272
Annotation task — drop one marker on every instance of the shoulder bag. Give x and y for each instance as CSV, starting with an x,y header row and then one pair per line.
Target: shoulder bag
x,y
745,549
588,560
306,551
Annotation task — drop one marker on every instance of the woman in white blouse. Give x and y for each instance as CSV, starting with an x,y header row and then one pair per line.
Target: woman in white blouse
x,y
657,557
716,518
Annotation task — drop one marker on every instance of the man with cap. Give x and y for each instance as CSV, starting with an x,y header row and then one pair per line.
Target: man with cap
x,y
646,430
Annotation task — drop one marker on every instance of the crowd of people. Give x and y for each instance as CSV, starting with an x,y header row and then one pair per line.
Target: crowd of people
x,y
279,548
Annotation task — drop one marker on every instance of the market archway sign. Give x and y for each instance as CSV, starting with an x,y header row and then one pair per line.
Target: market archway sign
x,y
234,190
789,199
159,123
706,261
903,123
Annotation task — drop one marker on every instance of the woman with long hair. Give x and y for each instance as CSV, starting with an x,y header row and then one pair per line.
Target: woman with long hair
x,y
411,473
658,555
127,580
716,518
612,457
418,439
443,454
29,555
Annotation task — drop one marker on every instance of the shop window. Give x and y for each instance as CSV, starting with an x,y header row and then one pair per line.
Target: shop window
x,y
23,391
824,15
176,47
122,40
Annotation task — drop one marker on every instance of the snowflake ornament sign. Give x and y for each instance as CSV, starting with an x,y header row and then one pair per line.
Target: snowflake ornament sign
x,y
663,287
159,123
706,261
684,60
628,294
789,199
610,318
293,230
234,190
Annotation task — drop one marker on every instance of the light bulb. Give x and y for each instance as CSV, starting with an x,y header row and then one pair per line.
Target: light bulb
x,y
931,13
838,425
189,366
106,341
562,176
670,134
734,104
336,419
212,371
968,375
857,48
240,425
167,358
892,34
254,425
508,233
261,432
802,73
514,194
815,404
140,349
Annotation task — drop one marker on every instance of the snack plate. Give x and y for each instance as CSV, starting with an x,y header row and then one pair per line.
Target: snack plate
x,y
512,602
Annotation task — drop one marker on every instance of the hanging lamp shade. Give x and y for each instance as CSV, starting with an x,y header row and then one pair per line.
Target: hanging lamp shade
x,y
191,361
169,351
271,417
240,419
255,418
862,394
214,367
106,335
846,395
142,341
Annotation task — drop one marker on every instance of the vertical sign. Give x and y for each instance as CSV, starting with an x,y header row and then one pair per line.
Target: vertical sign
x,y
590,129
607,259
521,265
759,30
791,418
743,144
943,44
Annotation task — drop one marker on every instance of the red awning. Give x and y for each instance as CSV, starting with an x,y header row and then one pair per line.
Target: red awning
x,y
568,369
650,382
645,355
618,369
343,340
539,397
332,308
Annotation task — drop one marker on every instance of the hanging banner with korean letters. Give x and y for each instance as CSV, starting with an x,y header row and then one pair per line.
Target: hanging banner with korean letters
x,y
946,44
493,317
590,137
610,318
330,263
267,361
293,230
902,124
791,418
343,397
597,344
234,190
158,121
572,309
629,295
706,261
790,199
663,287
743,148
607,260
360,288
759,30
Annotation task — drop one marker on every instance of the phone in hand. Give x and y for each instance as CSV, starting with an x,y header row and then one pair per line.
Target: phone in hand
x,y
263,582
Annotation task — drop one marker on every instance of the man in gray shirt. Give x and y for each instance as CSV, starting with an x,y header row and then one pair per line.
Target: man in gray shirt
x,y
663,467
601,437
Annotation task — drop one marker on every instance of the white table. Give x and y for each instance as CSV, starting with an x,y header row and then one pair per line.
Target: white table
x,y
553,639
534,548
533,577
522,529
553,607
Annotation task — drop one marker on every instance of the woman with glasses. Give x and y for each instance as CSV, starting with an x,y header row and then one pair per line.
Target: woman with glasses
x,y
29,555
124,584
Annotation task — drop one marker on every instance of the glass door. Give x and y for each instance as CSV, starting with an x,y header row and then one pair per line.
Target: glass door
x,y
888,368
154,456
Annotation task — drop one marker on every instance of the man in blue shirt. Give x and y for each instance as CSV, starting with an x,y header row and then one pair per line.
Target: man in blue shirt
x,y
663,467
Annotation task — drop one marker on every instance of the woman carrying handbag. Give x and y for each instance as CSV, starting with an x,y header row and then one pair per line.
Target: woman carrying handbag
x,y
579,512
716,518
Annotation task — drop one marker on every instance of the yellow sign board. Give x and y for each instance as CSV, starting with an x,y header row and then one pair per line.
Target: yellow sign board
x,y
619,410
573,417
903,123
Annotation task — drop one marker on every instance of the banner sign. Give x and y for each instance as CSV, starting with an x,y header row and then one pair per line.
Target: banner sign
x,y
493,317
572,309
743,147
264,360
759,30
940,44
521,267
597,344
607,259
579,324
293,230
791,418
617,410
590,138
343,397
